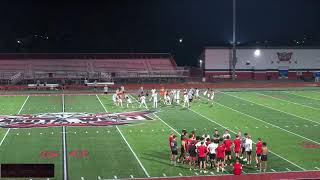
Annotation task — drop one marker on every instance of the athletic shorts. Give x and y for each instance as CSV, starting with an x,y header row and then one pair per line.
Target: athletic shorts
x,y
228,153
182,150
264,157
243,149
212,156
220,159
202,159
258,155
174,152
249,152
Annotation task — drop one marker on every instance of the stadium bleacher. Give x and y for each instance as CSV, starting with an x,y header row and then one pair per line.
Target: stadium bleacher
x,y
18,67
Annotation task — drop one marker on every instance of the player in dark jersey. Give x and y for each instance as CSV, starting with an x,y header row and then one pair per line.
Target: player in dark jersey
x,y
174,150
192,155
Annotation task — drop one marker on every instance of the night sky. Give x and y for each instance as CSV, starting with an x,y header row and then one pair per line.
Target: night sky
x,y
132,26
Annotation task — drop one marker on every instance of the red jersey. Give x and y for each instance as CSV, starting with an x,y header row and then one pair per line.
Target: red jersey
x,y
221,150
237,145
237,169
259,147
170,140
202,150
228,143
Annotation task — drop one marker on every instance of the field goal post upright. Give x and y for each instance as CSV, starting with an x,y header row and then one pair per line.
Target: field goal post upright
x,y
234,50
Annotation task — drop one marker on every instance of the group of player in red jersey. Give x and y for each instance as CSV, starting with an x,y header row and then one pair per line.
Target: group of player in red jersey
x,y
198,151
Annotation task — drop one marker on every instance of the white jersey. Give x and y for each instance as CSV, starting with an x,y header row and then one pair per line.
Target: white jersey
x,y
178,94
212,148
205,93
143,99
114,97
248,145
155,96
186,97
153,91
129,101
197,92
212,96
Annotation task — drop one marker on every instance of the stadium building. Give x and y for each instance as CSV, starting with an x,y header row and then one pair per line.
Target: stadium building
x,y
265,63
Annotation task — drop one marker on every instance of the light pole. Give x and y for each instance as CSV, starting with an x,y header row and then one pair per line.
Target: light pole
x,y
201,72
234,51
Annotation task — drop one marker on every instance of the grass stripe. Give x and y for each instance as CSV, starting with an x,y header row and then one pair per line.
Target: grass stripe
x,y
301,95
270,107
266,122
287,101
134,154
8,130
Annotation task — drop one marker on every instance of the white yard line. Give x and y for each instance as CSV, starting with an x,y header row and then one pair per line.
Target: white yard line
x,y
64,146
8,130
288,101
63,107
134,154
301,95
270,107
65,170
266,123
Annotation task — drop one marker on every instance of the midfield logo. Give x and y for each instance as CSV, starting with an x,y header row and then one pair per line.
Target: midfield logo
x,y
72,119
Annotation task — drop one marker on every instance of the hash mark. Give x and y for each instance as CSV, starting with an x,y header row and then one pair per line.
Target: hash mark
x,y
131,176
288,169
211,173
180,174
82,178
86,132
17,134
41,133
115,177
266,126
97,131
99,177
317,168
273,170
164,175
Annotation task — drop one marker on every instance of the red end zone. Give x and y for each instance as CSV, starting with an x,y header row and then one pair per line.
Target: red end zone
x,y
267,176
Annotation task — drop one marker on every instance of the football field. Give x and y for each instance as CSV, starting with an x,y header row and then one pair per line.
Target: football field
x,y
288,120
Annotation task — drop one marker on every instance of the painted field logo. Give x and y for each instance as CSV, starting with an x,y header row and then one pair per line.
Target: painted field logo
x,y
73,119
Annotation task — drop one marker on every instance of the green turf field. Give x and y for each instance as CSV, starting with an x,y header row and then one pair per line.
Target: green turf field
x,y
289,121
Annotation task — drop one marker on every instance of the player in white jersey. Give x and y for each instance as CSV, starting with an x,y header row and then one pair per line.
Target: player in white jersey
x,y
177,96
186,100
206,92
153,91
209,94
114,99
154,96
129,101
168,100
197,96
143,101
119,100
212,97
